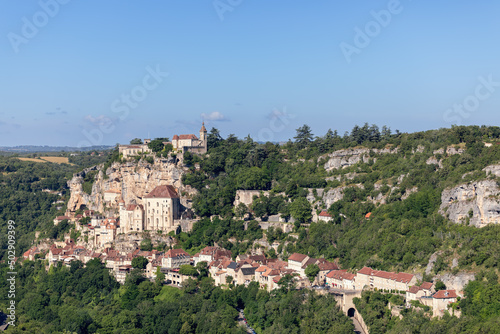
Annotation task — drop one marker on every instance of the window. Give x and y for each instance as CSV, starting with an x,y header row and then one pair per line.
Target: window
x,y
157,204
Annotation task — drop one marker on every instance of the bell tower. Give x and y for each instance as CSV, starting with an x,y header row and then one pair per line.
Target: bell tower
x,y
203,137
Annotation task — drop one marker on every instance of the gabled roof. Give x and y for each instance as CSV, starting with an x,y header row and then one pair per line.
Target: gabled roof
x,y
426,286
297,257
189,136
324,213
176,253
165,191
248,270
340,275
309,262
414,289
444,294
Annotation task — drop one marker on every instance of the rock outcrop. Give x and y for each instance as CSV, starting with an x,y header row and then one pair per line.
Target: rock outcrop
x,y
477,202
130,180
351,156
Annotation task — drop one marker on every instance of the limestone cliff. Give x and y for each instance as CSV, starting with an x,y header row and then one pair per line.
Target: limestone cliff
x,y
477,202
130,181
348,157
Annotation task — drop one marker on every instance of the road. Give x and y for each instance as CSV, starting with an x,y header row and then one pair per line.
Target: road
x,y
357,327
241,321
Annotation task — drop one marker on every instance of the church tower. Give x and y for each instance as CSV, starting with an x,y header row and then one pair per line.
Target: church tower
x,y
203,137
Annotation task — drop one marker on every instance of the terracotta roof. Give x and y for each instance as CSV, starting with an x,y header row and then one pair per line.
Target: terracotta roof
x,y
426,286
414,289
132,207
404,277
297,257
444,294
62,218
203,129
165,191
190,136
368,215
114,191
176,253
257,258
366,271
340,275
327,266
175,137
324,213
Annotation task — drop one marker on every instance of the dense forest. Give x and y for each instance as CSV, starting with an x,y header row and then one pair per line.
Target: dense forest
x,y
23,201
88,300
400,234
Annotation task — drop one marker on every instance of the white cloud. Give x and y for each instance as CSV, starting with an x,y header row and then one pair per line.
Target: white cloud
x,y
214,116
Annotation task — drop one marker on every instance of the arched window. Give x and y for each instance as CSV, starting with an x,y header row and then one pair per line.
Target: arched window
x,y
157,204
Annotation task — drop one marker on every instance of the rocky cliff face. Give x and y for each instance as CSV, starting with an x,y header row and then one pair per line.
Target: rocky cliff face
x,y
130,180
348,157
477,202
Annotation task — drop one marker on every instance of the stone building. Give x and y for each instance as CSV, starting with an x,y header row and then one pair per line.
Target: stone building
x,y
136,149
190,142
158,211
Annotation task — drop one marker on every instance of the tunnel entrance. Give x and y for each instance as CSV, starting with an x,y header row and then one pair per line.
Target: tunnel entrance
x,y
351,312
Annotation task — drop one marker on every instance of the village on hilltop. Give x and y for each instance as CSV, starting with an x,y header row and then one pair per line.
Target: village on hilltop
x,y
159,212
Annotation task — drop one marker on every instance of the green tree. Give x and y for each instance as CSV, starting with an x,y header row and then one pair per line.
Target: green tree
x,y
214,138
136,141
156,145
312,272
440,285
160,277
303,136
146,245
189,270
139,262
300,209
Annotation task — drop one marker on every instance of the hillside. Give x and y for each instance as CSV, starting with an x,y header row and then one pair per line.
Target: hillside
x,y
426,203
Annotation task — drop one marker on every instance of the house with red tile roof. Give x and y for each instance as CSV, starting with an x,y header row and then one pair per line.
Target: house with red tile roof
x,y
416,292
441,300
296,261
174,258
59,219
324,216
384,280
191,143
342,280
210,253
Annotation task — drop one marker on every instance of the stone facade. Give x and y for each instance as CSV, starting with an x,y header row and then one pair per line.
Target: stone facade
x,y
190,142
160,209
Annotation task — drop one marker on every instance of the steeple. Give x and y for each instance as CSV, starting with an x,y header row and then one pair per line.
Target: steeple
x,y
203,136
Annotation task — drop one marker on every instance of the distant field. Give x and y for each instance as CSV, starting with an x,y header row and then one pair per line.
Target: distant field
x,y
59,160
31,159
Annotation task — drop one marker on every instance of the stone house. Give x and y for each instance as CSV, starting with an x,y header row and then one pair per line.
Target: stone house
x,y
174,258
384,280
341,279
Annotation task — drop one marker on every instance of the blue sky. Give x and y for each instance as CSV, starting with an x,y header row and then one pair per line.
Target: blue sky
x,y
256,67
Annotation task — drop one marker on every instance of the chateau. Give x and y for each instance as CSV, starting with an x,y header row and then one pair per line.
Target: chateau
x,y
157,212
180,143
